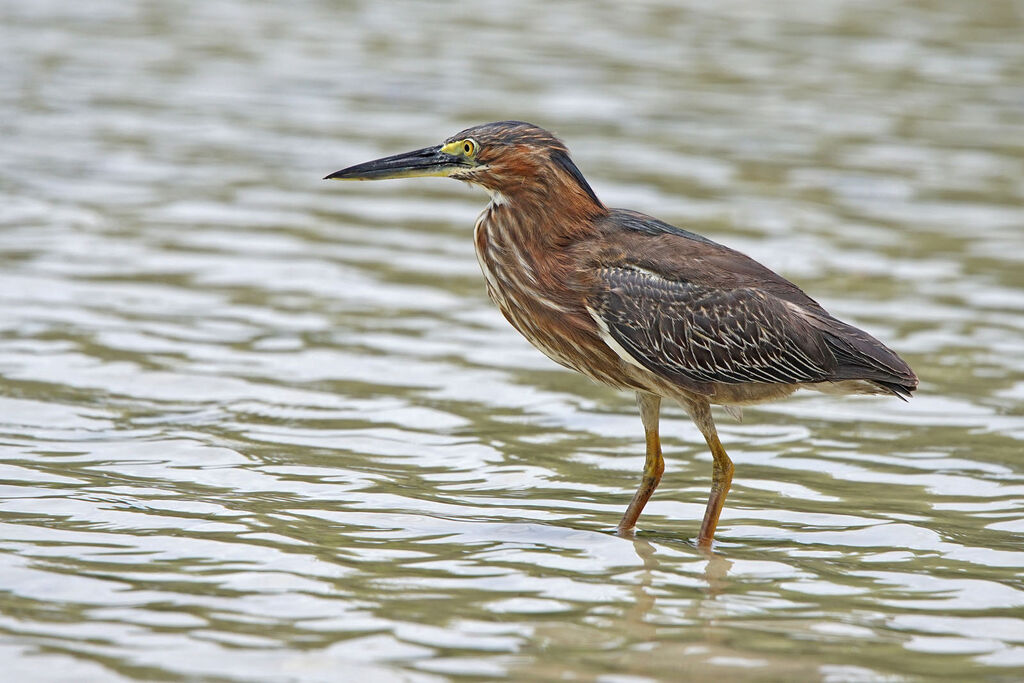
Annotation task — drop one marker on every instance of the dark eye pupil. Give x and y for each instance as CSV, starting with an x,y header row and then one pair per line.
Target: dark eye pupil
x,y
468,148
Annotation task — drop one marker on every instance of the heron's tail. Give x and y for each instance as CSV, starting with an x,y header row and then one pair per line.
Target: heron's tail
x,y
861,356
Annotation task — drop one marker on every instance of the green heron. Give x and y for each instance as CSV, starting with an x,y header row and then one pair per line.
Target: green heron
x,y
639,304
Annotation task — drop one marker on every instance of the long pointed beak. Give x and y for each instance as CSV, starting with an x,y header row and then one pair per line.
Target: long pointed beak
x,y
429,161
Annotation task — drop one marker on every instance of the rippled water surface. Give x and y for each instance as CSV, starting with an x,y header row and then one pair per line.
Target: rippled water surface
x,y
256,426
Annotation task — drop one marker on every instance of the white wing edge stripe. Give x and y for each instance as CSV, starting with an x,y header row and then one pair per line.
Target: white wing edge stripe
x,y
607,338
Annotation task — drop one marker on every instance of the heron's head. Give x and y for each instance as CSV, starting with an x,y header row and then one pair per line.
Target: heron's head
x,y
507,158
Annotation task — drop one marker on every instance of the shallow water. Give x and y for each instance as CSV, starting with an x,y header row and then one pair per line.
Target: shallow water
x,y
255,426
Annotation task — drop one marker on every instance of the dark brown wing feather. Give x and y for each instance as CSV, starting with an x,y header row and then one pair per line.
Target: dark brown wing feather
x,y
693,310
697,333
861,356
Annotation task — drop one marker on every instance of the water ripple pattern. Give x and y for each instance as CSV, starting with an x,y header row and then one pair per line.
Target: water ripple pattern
x,y
255,426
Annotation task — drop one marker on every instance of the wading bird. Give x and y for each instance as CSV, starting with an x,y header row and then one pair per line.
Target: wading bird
x,y
639,304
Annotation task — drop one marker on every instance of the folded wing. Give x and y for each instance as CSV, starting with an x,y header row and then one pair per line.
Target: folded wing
x,y
699,334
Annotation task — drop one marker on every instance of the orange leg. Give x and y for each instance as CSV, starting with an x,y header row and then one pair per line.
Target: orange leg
x,y
721,474
650,406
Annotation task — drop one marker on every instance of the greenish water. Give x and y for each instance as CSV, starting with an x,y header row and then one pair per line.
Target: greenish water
x,y
255,426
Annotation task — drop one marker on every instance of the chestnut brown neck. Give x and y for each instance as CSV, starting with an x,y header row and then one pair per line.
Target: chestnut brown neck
x,y
551,201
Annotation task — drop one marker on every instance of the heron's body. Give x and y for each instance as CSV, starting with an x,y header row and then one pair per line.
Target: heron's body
x,y
641,305
559,299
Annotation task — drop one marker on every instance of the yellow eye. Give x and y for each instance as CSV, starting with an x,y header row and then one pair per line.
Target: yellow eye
x,y
466,147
